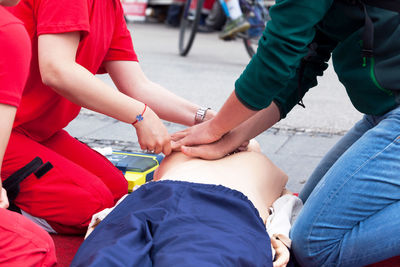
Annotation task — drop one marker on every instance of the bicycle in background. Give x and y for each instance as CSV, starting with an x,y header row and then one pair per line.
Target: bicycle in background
x,y
255,11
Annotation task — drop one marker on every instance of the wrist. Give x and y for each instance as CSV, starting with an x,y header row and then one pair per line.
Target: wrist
x,y
210,114
201,115
216,128
139,117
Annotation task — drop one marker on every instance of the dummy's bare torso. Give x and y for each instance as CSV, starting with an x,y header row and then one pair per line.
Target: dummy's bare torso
x,y
251,173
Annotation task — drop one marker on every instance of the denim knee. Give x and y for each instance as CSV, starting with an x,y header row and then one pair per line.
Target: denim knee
x,y
300,246
309,251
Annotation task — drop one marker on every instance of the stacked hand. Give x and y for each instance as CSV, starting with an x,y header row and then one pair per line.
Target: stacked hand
x,y
199,134
203,142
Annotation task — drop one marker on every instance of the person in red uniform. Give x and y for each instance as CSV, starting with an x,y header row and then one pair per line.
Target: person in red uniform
x,y
22,243
71,42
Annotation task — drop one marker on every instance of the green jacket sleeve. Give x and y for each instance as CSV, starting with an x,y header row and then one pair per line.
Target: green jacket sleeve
x,y
311,66
284,43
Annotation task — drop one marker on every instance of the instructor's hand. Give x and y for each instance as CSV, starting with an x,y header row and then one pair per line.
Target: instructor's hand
x,y
152,134
229,143
203,133
3,199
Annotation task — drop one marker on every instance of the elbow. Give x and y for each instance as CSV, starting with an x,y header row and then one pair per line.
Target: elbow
x,y
51,74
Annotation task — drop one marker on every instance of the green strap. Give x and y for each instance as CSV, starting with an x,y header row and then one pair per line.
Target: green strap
x,y
373,77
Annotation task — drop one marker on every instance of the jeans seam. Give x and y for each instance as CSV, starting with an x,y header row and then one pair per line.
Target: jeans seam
x,y
376,155
370,120
373,253
396,140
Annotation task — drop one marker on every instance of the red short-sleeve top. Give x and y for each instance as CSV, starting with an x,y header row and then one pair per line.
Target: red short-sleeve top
x,y
15,55
104,37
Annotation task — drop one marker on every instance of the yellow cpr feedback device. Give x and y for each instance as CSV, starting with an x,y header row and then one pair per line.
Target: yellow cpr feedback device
x,y
138,168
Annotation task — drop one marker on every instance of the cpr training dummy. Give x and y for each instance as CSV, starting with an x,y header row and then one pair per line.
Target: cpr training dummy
x,y
198,213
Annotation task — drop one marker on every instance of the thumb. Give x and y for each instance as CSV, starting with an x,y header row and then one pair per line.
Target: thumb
x,y
188,140
195,152
202,151
178,143
175,146
178,135
190,151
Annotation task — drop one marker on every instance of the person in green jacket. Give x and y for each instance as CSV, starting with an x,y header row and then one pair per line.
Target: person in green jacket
x,y
352,206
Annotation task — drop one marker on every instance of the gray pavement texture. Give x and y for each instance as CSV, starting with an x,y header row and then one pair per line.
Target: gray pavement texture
x,y
206,76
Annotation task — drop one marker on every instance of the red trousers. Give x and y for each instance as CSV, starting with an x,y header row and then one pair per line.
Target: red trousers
x,y
23,243
81,183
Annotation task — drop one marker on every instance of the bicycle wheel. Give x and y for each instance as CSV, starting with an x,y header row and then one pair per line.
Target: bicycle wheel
x,y
257,14
251,45
188,27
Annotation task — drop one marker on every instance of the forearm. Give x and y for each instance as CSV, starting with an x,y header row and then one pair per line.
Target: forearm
x,y
262,121
59,70
6,121
130,79
167,105
231,115
88,91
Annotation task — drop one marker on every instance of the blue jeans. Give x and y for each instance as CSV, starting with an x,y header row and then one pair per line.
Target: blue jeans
x,y
352,216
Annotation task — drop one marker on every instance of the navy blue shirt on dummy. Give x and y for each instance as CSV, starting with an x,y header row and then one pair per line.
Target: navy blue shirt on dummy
x,y
174,223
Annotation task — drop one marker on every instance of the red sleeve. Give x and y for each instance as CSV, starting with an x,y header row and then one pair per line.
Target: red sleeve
x,y
58,16
15,56
121,45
